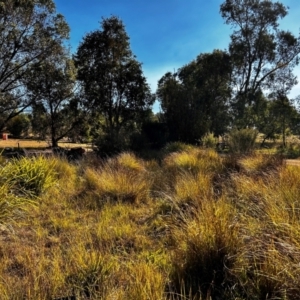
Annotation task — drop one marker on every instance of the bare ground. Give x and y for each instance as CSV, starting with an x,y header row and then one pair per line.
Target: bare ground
x,y
293,162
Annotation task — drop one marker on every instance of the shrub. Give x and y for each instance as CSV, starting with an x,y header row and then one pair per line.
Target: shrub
x,y
291,151
242,141
18,125
109,145
209,141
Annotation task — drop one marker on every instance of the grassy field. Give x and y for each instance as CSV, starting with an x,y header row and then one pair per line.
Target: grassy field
x,y
191,226
36,144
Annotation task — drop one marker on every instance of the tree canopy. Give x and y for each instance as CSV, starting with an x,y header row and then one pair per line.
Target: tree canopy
x,y
30,31
245,86
195,99
112,79
261,53
52,90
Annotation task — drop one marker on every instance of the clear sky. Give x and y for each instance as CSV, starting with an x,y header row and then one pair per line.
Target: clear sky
x,y
164,34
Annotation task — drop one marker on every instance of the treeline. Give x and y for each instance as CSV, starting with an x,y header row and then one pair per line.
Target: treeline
x,y
100,93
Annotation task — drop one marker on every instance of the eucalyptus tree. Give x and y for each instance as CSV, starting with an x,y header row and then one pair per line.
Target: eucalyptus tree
x,y
112,79
195,100
260,52
30,31
52,86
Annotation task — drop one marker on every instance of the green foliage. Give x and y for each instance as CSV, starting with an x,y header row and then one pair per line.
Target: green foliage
x,y
242,141
209,140
155,133
109,145
195,100
271,53
113,84
18,125
51,87
39,120
290,151
31,31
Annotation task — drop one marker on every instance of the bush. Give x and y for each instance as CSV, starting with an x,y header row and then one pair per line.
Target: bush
x,y
18,125
242,141
109,145
292,151
209,141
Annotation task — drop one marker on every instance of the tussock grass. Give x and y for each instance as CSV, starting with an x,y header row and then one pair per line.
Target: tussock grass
x,y
11,206
204,250
176,147
193,188
195,160
29,176
260,163
191,226
123,178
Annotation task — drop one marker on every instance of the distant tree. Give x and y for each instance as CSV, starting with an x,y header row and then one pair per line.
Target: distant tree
x,y
174,107
30,31
81,132
284,114
39,123
260,52
195,100
112,78
18,125
52,89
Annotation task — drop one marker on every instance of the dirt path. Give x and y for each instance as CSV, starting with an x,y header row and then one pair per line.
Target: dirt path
x,y
15,143
293,162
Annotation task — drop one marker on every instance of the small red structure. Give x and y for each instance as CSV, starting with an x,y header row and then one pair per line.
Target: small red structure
x,y
5,136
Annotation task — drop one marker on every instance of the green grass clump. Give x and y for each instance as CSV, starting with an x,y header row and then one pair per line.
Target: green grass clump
x,y
89,274
29,175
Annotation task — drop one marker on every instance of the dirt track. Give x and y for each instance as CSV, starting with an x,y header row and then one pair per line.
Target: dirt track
x,y
293,162
15,143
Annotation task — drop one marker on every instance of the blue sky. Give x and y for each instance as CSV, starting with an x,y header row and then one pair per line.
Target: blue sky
x,y
164,34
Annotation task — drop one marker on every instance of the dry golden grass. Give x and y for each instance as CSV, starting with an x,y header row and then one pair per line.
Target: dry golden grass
x,y
192,227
